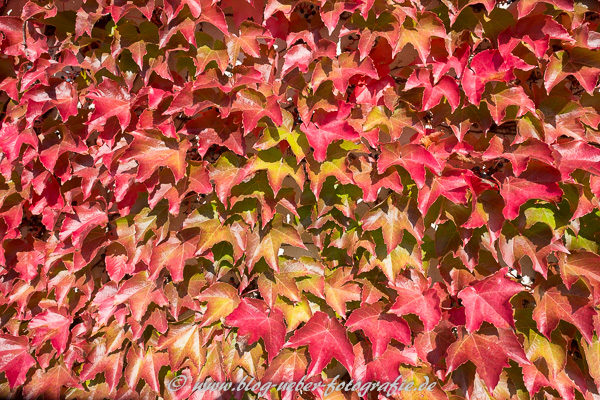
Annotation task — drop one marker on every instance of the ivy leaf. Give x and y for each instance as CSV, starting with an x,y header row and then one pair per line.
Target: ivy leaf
x,y
49,383
583,64
558,303
222,299
277,167
226,173
327,128
445,87
286,132
339,290
326,338
583,265
254,318
553,352
11,140
489,352
402,120
488,66
332,9
526,6
144,364
15,360
370,182
539,182
384,25
379,327
284,283
534,379
393,221
457,6
151,151
138,293
335,165
246,41
208,51
213,14
415,297
453,185
78,225
577,155
51,325
536,31
110,100
212,129
255,105
500,99
386,367
339,70
488,300
592,354
171,254
411,157
99,361
418,32
537,248
289,366
268,245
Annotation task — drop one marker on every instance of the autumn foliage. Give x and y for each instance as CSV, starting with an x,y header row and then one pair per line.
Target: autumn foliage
x,y
279,188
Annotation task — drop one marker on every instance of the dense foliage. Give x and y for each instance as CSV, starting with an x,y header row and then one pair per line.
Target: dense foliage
x,y
279,188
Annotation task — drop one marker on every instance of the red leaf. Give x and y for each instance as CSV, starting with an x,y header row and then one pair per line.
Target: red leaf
x,y
581,264
144,364
538,182
212,129
426,25
524,7
452,185
581,63
341,69
137,292
386,367
183,341
222,299
489,352
488,66
488,300
110,100
415,297
501,98
536,31
411,157
288,366
327,128
86,218
99,361
445,87
379,327
326,338
394,219
15,360
576,154
558,303
49,383
254,105
253,317
151,151
297,56
173,254
12,139
51,325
